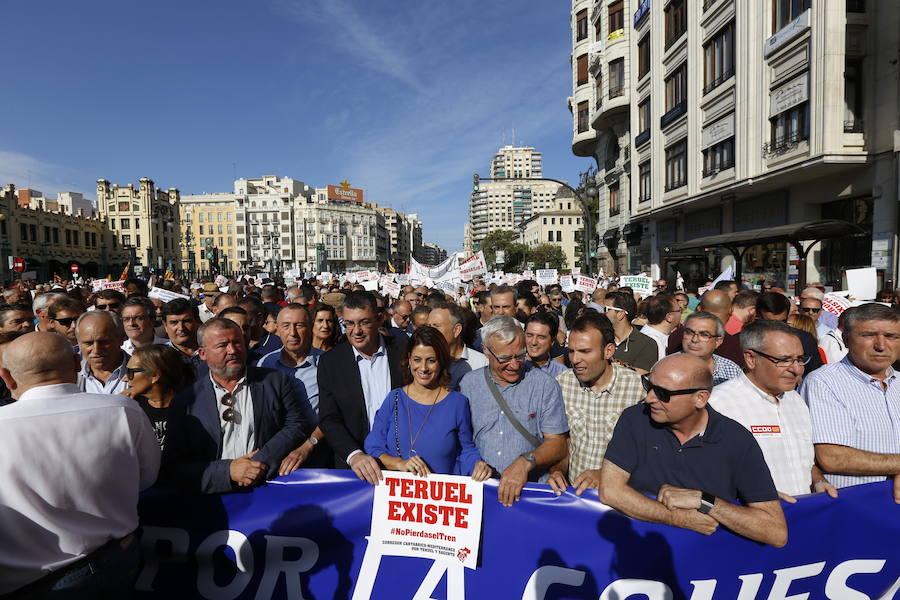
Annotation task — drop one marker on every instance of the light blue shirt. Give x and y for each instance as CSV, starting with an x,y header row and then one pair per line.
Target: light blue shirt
x,y
306,384
115,384
535,400
551,367
375,376
851,408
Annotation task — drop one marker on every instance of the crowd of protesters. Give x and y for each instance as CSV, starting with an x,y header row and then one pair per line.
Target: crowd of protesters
x,y
696,411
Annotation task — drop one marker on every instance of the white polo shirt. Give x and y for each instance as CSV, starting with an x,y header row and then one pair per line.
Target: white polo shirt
x,y
781,426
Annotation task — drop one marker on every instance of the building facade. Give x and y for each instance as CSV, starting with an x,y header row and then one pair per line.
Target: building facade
x,y
405,233
51,241
209,233
705,119
560,226
432,254
144,219
507,201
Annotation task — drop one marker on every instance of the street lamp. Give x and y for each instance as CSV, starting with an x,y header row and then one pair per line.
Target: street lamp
x,y
588,186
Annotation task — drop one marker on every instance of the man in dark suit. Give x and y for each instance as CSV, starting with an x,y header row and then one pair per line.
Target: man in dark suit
x,y
236,424
354,379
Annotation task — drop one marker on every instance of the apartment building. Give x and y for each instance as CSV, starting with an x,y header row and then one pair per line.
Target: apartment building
x,y
740,133
209,223
562,225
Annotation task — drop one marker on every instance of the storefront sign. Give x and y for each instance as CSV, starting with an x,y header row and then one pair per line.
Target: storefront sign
x,y
786,34
792,93
719,131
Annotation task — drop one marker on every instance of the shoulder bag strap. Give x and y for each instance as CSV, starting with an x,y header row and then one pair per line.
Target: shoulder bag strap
x,y
504,408
397,422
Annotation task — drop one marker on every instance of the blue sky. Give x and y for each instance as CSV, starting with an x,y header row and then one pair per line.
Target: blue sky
x,y
404,98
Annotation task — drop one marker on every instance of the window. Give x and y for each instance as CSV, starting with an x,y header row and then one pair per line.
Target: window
x,y
112,223
46,234
56,235
583,116
23,233
676,21
853,95
643,122
126,239
220,229
676,165
718,58
790,127
123,206
856,6
676,88
33,230
617,78
718,157
644,56
785,11
614,204
581,25
201,230
545,220
559,236
126,223
616,18
582,69
200,217
644,181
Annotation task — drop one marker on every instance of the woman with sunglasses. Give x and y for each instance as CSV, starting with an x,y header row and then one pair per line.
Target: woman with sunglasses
x,y
155,374
326,332
424,427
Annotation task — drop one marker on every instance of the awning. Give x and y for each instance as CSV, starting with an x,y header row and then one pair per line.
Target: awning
x,y
796,232
632,229
610,235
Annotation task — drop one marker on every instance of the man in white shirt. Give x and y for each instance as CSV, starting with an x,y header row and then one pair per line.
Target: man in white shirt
x,y
100,335
138,318
206,310
765,402
663,316
97,452
447,318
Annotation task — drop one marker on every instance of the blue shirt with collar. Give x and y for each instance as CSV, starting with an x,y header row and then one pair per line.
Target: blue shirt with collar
x,y
303,376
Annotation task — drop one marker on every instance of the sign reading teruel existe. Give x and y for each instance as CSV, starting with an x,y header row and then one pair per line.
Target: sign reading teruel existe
x,y
436,517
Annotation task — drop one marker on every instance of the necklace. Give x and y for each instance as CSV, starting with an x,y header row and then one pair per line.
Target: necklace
x,y
412,439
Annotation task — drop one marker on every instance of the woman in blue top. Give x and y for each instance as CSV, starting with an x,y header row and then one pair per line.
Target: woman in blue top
x,y
423,427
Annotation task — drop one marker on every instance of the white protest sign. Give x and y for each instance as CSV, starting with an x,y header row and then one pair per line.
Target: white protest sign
x,y
576,270
437,518
528,274
568,286
361,276
391,288
448,287
370,286
547,276
641,284
585,284
726,275
862,283
102,284
165,295
474,266
374,276
836,302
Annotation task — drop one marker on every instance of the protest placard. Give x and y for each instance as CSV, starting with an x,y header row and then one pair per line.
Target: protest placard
x,y
221,280
370,286
585,284
437,518
836,302
165,295
474,266
862,283
403,279
547,276
641,284
391,288
568,286
102,284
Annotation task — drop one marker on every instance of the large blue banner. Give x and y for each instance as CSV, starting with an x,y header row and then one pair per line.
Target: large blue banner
x,y
304,536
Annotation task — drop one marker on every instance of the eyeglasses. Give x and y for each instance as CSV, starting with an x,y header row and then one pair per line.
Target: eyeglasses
x,y
785,362
612,308
131,372
807,309
364,324
229,415
545,305
504,360
703,335
665,395
110,306
66,322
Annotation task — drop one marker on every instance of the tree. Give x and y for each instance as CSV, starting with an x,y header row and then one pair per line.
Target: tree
x,y
542,254
507,241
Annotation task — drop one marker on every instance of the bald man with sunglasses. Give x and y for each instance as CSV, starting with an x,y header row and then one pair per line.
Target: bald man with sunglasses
x,y
653,443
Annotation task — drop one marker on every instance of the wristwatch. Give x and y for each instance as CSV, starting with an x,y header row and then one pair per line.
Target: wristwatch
x,y
313,440
529,456
707,502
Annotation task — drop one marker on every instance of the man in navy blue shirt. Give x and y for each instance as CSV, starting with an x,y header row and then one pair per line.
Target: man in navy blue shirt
x,y
696,462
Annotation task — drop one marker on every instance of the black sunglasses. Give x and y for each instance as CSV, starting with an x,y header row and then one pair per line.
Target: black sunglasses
x,y
809,309
663,394
67,321
229,414
130,372
110,306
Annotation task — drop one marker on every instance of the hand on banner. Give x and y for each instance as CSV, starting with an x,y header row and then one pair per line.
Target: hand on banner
x,y
415,465
481,471
366,468
590,479
295,459
245,471
787,498
674,497
822,485
558,482
694,520
512,481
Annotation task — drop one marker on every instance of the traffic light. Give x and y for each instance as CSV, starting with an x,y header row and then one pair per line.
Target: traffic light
x,y
209,251
476,180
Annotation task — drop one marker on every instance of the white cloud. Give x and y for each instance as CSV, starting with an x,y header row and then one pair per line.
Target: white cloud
x,y
25,171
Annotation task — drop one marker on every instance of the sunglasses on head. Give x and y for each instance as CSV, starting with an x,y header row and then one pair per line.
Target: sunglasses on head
x,y
662,393
67,321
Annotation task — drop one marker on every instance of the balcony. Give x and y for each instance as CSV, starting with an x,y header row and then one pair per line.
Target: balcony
x,y
783,145
719,80
675,112
616,91
642,138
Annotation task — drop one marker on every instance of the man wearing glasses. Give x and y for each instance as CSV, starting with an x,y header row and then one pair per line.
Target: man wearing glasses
x,y
663,316
764,401
354,379
109,300
812,308
234,426
695,461
138,318
531,397
62,315
400,313
703,334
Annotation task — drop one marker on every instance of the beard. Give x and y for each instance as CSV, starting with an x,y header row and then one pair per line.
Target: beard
x,y
229,370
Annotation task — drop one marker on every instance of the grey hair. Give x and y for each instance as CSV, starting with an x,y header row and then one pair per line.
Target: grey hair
x,y
871,311
502,328
720,329
217,323
42,301
113,317
753,336
813,292
505,289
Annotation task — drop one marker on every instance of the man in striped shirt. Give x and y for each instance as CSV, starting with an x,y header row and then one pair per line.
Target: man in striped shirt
x,y
855,403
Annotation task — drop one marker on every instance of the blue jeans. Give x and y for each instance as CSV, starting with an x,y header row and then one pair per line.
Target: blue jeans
x,y
110,573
